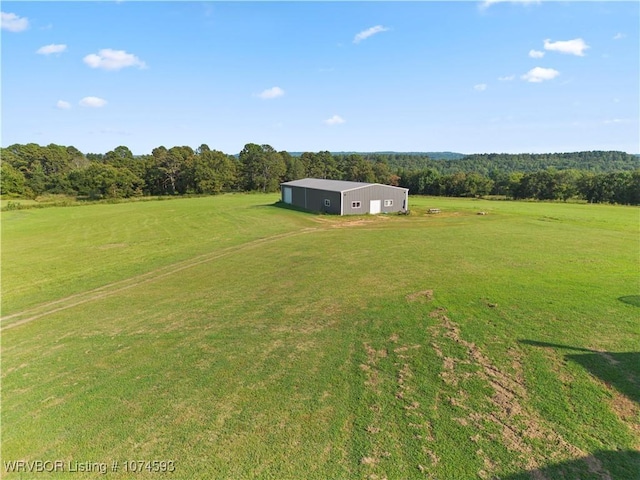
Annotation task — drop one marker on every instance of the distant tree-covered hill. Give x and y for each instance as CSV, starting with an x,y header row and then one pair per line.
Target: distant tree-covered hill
x,y
595,161
430,155
449,162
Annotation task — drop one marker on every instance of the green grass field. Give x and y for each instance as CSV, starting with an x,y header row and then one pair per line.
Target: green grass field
x,y
241,340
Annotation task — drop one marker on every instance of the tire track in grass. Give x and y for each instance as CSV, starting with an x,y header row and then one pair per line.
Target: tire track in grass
x,y
54,306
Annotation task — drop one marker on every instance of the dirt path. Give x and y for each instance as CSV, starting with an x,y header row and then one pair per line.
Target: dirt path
x,y
48,308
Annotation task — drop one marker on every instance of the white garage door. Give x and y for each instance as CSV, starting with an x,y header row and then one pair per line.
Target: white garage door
x,y
374,207
287,195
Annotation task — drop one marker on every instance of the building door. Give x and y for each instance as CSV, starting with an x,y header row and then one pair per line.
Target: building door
x,y
286,195
374,207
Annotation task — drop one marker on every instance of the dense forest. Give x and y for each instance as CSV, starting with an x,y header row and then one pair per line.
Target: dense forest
x,y
523,162
32,170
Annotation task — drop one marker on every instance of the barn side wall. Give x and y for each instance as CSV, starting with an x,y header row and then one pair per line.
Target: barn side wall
x,y
316,198
313,200
374,192
297,197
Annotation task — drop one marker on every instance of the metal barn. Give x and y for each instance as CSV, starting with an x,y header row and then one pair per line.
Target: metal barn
x,y
344,198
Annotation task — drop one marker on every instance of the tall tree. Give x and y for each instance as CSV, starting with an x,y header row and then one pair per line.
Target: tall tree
x,y
262,167
121,157
173,165
272,169
250,158
357,169
295,168
12,181
381,172
100,180
213,172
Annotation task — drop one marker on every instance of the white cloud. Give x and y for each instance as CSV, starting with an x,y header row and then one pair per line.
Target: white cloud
x,y
615,121
109,59
507,78
481,87
61,104
619,36
539,74
487,3
577,46
363,35
53,48
536,54
13,23
93,102
335,120
269,93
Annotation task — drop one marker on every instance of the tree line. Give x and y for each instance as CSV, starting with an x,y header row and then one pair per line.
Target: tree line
x,y
621,187
31,170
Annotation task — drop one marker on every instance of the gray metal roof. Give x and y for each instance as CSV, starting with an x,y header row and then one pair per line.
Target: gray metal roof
x,y
331,185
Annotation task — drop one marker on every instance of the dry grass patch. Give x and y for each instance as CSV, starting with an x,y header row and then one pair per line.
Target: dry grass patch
x,y
517,424
425,295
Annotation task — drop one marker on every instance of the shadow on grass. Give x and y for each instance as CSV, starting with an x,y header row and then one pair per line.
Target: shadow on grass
x,y
618,465
619,370
286,206
631,300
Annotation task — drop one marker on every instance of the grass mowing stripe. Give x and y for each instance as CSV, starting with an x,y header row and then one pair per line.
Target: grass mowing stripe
x,y
113,288
51,253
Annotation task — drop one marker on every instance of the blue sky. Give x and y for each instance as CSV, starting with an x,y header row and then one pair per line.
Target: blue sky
x,y
470,77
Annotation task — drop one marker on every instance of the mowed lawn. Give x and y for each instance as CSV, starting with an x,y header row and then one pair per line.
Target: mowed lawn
x,y
242,340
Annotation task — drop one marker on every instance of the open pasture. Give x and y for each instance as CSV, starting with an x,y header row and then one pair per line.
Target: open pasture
x,y
240,340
